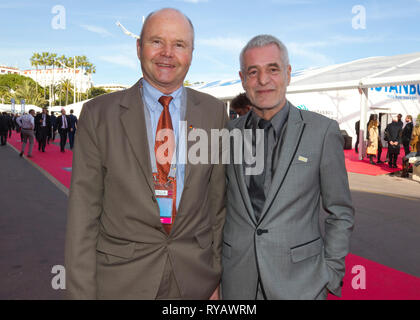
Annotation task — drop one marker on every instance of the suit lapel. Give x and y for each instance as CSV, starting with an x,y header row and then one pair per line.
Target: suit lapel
x,y
193,118
294,130
132,118
240,172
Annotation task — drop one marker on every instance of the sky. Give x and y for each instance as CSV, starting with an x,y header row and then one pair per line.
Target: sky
x,y
317,33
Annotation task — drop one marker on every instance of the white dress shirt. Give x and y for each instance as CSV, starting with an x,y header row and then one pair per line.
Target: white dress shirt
x,y
26,121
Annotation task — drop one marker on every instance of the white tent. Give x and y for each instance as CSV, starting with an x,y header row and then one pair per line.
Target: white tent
x,y
77,108
348,91
18,108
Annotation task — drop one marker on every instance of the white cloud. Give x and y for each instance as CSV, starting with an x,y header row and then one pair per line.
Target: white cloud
x,y
95,29
121,60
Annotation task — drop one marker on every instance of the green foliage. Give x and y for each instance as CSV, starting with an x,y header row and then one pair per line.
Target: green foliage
x,y
95,91
27,90
12,81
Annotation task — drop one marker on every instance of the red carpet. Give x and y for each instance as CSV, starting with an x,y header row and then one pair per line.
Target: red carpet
x,y
382,283
53,161
354,165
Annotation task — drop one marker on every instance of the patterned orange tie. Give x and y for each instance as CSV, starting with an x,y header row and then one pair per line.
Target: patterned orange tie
x,y
164,135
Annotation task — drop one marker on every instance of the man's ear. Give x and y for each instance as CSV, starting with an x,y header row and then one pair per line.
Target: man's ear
x,y
242,79
138,48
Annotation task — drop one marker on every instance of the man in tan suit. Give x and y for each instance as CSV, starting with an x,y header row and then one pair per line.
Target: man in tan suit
x,y
118,245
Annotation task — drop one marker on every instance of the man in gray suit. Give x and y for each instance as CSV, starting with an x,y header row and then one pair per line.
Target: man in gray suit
x,y
272,245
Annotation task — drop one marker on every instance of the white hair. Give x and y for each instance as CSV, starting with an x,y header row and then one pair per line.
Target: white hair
x,y
263,40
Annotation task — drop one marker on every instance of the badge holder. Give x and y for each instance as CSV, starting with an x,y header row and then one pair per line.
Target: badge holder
x,y
165,193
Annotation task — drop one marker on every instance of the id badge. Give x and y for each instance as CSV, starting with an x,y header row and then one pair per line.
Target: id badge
x,y
165,194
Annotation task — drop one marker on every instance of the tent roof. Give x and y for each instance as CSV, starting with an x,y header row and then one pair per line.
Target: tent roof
x,y
363,73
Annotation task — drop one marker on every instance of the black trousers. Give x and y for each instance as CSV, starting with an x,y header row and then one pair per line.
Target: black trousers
x,y
63,138
379,150
393,158
71,138
406,145
3,137
43,133
356,147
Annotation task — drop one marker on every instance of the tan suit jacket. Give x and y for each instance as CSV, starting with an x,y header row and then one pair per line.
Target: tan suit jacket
x,y
116,247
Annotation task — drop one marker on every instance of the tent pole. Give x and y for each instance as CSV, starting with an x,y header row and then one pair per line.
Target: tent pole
x,y
363,120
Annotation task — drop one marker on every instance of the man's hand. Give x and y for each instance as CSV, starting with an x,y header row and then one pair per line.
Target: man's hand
x,y
215,295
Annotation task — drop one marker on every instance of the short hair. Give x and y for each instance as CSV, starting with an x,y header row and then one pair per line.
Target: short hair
x,y
260,41
409,116
153,12
31,110
71,111
240,101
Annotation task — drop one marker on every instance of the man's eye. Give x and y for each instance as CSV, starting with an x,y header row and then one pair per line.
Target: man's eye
x,y
180,45
252,73
274,70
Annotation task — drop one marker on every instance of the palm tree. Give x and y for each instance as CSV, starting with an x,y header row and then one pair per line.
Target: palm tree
x,y
51,62
91,68
44,63
35,61
62,61
27,91
67,87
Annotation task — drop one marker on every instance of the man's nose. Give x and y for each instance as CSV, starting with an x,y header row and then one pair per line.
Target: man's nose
x,y
167,50
263,78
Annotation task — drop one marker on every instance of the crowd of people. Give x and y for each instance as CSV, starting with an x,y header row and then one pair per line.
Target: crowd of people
x,y
396,134
40,126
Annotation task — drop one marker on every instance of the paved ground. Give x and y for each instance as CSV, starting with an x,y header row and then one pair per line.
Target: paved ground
x,y
32,226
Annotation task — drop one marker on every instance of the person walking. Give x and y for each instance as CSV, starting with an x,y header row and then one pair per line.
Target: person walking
x,y
42,124
27,124
63,122
72,128
4,128
53,129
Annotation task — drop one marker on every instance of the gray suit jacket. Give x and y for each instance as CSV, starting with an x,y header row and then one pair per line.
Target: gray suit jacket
x,y
116,247
286,248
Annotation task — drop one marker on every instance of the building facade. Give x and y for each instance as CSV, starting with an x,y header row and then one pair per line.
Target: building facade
x,y
57,75
9,70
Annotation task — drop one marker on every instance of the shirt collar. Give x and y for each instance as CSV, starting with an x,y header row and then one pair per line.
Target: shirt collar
x,y
277,121
152,95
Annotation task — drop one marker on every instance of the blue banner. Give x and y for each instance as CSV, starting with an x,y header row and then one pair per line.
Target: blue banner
x,y
22,106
